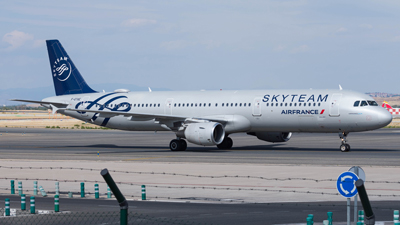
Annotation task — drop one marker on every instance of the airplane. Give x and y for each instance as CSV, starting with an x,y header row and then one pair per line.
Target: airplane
x,y
394,111
207,118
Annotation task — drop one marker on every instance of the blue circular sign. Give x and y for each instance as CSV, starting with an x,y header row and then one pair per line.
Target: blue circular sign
x,y
346,184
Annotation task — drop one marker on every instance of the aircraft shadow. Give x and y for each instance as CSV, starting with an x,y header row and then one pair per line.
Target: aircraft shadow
x,y
274,147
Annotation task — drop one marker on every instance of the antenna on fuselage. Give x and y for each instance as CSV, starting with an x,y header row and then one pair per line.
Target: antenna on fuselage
x,y
149,89
340,87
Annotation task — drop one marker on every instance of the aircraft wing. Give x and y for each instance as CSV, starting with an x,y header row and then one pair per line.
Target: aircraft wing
x,y
140,116
60,104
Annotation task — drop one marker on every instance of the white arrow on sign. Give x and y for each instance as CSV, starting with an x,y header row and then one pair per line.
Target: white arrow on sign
x,y
348,176
341,187
354,188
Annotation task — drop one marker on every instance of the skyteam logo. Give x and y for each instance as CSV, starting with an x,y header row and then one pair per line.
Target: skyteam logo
x,y
62,69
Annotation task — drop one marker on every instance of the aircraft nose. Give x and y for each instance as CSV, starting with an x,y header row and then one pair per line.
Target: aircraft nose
x,y
385,118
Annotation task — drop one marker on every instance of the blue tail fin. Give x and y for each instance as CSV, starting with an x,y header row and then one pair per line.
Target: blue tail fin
x,y
66,77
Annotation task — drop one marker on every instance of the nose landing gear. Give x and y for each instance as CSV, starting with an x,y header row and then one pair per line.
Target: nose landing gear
x,y
344,147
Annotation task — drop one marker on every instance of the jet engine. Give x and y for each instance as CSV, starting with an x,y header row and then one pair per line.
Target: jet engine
x,y
273,136
205,134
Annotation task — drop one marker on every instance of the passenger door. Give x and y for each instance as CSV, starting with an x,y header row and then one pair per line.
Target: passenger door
x,y
334,106
257,107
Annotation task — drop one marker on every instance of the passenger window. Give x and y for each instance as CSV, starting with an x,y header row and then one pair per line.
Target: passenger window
x,y
267,104
199,104
152,105
231,104
281,104
187,105
158,104
195,105
372,103
134,105
319,104
249,104
244,105
356,103
216,104
299,104
364,103
290,104
209,104
314,103
240,104
235,104
295,104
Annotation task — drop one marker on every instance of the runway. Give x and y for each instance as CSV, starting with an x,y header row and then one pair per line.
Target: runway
x,y
373,148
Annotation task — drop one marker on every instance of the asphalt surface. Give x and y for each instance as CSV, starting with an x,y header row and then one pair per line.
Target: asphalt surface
x,y
376,148
203,213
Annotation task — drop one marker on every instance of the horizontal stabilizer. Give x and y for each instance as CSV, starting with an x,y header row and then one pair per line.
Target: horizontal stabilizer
x,y
58,104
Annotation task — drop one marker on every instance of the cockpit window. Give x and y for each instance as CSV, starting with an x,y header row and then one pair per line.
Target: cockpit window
x,y
364,103
356,103
372,103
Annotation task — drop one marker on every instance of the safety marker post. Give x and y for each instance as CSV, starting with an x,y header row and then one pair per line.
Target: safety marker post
x,y
361,216
108,192
96,191
12,187
23,203
396,217
57,188
7,207
330,215
82,190
42,191
20,188
35,188
70,195
143,192
32,204
309,221
56,203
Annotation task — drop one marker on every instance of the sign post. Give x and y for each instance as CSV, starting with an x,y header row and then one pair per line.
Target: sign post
x,y
361,174
346,186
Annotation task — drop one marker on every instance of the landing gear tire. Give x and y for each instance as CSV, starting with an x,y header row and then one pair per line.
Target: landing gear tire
x,y
344,147
227,143
183,144
178,145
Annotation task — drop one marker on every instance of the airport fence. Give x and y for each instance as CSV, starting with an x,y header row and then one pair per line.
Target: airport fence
x,y
84,218
247,189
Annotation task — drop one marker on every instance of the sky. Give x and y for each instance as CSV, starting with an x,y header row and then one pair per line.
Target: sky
x,y
206,45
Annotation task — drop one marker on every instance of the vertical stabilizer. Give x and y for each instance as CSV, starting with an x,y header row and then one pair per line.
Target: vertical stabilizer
x,y
66,77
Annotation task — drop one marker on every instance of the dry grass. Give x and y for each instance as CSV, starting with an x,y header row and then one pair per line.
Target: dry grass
x,y
39,119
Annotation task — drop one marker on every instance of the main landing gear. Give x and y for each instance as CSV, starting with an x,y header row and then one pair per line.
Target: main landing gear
x,y
178,145
226,143
344,147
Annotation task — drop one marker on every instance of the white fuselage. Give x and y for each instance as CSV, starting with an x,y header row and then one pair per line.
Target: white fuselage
x,y
245,111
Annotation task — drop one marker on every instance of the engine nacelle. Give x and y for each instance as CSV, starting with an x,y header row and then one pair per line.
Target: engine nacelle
x,y
206,134
273,136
